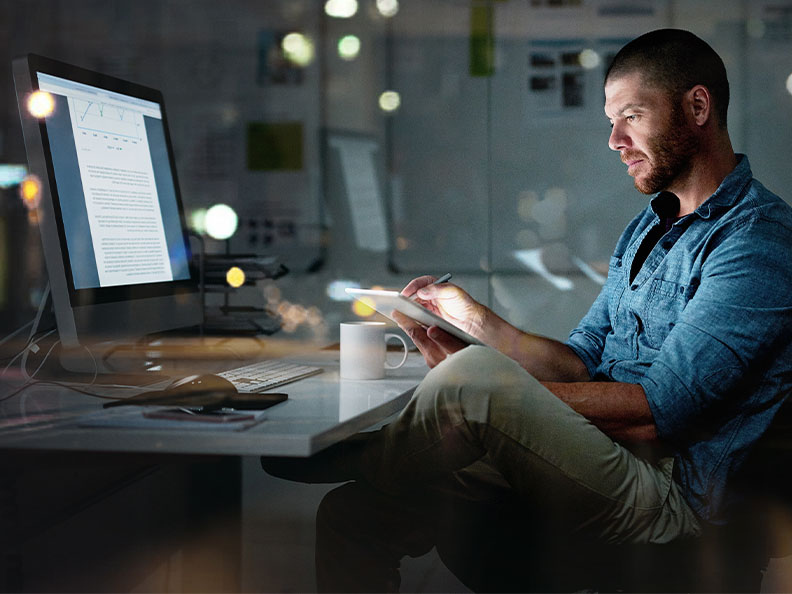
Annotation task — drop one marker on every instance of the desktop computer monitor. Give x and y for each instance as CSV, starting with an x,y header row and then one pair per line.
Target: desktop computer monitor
x,y
110,214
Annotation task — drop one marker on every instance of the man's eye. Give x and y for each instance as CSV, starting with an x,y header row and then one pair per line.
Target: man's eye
x,y
631,118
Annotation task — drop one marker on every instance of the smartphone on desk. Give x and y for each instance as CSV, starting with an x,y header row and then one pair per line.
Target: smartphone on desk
x,y
210,416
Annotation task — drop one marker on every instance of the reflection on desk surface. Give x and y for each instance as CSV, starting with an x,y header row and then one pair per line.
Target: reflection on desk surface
x,y
320,410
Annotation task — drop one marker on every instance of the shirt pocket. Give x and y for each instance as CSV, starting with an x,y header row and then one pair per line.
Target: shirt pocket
x,y
667,300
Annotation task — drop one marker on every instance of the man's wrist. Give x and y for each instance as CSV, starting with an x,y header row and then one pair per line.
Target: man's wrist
x,y
493,330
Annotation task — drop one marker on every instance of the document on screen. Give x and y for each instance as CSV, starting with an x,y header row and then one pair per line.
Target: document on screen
x,y
121,197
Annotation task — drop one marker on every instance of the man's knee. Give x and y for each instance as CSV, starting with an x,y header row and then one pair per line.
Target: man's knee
x,y
475,365
477,374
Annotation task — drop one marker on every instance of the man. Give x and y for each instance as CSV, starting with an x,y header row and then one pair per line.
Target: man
x,y
684,356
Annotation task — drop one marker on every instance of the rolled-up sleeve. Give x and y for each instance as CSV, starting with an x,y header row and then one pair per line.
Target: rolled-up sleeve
x,y
588,339
731,331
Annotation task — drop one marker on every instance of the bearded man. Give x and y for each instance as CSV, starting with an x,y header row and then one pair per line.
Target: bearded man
x,y
637,428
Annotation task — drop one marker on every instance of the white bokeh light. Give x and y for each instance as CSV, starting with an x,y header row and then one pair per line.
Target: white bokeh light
x,y
197,220
388,8
589,59
221,221
389,101
341,9
789,84
298,49
349,47
40,104
336,289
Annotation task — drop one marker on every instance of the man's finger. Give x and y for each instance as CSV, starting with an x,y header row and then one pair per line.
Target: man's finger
x,y
432,352
416,284
450,344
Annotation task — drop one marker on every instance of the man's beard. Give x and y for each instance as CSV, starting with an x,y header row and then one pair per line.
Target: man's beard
x,y
671,151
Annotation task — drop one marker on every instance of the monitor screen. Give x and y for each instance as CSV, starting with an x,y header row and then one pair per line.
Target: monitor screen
x,y
118,202
111,217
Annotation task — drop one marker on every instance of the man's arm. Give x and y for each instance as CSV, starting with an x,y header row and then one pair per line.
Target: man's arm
x,y
619,410
548,360
545,358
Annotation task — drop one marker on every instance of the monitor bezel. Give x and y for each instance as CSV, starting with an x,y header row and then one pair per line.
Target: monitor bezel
x,y
89,296
90,314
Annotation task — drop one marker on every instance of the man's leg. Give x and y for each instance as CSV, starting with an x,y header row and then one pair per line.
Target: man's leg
x,y
362,535
490,543
479,402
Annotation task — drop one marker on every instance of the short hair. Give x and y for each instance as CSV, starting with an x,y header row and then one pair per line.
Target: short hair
x,y
675,61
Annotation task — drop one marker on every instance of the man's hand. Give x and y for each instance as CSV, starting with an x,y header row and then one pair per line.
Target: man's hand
x,y
435,344
447,301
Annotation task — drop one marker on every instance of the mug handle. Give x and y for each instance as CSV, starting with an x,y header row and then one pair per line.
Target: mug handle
x,y
404,355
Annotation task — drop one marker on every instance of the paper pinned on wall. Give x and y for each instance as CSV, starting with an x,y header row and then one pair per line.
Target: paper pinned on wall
x,y
363,191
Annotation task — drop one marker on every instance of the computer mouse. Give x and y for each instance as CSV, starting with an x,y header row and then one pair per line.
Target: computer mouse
x,y
201,384
206,390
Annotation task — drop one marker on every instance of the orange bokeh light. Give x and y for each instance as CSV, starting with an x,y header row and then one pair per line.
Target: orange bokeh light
x,y
30,192
363,308
235,277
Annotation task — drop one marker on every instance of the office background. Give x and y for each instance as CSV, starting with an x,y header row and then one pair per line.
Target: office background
x,y
365,143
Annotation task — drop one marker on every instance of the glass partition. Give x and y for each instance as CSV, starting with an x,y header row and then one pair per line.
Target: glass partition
x,y
367,142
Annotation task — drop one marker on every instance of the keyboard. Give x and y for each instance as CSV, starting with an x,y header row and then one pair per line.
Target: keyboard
x,y
264,375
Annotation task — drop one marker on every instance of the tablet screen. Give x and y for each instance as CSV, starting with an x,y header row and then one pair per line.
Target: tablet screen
x,y
385,302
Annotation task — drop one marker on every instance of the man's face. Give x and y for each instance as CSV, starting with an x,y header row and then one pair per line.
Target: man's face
x,y
650,132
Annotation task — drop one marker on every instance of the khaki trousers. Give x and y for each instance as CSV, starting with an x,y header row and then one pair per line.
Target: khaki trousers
x,y
479,424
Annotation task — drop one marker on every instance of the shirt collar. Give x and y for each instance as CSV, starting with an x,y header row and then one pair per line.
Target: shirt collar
x,y
665,205
724,197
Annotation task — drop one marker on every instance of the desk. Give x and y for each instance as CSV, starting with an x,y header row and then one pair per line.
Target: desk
x,y
93,509
321,410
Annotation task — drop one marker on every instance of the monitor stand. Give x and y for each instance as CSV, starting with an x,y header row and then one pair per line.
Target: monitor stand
x,y
172,354
96,366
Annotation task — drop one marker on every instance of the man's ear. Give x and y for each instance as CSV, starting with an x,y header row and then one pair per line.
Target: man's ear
x,y
699,104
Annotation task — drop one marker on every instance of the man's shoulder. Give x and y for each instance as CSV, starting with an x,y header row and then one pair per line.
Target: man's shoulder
x,y
761,195
759,203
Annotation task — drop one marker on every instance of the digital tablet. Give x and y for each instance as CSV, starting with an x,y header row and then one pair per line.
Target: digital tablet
x,y
385,302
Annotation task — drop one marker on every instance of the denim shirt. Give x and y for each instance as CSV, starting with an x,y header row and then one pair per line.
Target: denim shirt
x,y
704,328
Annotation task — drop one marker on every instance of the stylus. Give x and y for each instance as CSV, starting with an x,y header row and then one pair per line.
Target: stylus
x,y
443,279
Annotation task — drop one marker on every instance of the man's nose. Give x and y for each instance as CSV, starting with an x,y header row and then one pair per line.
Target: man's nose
x,y
619,139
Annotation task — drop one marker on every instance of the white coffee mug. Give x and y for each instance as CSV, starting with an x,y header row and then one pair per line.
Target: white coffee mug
x,y
363,350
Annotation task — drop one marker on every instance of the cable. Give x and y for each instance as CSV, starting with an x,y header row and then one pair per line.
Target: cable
x,y
30,378
31,383
15,332
33,375
24,352
33,348
42,304
18,331
96,366
34,324
44,360
38,338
